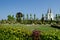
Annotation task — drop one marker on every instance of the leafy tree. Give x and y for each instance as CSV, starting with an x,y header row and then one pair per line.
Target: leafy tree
x,y
19,15
11,18
57,18
2,21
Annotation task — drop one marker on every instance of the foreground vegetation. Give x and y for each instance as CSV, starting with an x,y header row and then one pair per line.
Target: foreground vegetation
x,y
24,32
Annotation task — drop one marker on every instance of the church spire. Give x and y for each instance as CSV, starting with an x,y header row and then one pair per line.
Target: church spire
x,y
49,10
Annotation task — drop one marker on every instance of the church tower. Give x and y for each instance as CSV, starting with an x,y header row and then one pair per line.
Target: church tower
x,y
49,15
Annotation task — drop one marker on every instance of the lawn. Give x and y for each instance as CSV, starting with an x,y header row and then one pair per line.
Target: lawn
x,y
32,27
47,32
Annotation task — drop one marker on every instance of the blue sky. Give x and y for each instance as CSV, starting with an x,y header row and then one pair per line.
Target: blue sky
x,y
28,7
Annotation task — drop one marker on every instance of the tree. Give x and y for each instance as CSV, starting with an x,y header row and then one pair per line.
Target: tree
x,y
10,18
56,17
42,18
19,15
27,16
51,21
46,18
30,16
34,16
23,17
23,21
2,21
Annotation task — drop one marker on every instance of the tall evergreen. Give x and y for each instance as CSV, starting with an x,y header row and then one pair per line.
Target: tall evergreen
x,y
56,17
30,16
42,18
23,17
34,16
27,16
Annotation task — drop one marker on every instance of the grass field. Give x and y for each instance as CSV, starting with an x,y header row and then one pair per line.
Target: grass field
x,y
27,29
31,27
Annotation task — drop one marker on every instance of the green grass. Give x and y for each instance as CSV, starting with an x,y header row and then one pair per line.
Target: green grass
x,y
31,27
46,30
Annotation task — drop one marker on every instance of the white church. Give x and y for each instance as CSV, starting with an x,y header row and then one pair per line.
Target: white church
x,y
49,15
